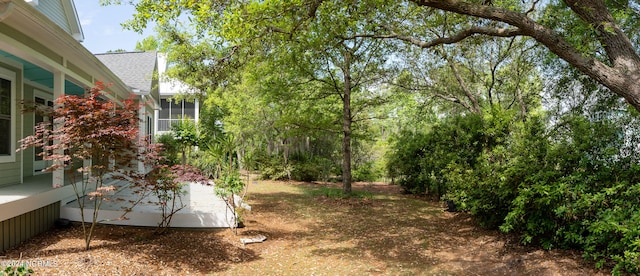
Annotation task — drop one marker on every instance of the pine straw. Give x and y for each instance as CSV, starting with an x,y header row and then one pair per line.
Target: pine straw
x,y
390,234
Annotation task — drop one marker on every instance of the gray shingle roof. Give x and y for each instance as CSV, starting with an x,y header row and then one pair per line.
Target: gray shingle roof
x,y
135,69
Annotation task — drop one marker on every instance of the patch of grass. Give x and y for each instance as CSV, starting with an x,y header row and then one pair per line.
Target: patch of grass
x,y
337,193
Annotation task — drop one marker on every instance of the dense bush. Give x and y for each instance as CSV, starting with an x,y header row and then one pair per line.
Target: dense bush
x,y
273,167
305,167
170,148
418,158
299,166
580,192
568,184
366,172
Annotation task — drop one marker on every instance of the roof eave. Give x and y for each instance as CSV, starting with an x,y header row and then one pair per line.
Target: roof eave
x,y
26,19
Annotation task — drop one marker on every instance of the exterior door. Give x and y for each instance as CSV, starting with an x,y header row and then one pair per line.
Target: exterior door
x,y
42,99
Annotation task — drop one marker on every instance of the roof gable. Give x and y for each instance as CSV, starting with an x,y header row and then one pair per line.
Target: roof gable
x,y
136,69
63,13
169,86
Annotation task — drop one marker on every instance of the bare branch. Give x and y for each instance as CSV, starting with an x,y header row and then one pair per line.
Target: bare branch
x,y
454,99
463,85
533,7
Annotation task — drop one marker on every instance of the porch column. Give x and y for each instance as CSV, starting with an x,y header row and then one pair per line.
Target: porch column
x,y
142,130
156,120
58,90
196,116
197,111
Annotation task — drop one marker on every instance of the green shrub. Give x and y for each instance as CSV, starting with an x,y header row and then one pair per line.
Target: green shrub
x,y
300,166
306,171
366,172
170,148
576,185
419,158
274,168
18,270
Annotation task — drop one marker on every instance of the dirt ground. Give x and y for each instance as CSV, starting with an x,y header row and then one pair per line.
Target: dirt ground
x,y
307,234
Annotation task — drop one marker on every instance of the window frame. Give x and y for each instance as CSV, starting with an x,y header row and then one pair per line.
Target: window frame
x,y
12,77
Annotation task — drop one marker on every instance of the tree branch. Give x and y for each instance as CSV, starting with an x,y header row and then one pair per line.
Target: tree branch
x,y
463,85
616,44
613,78
454,99
471,31
369,118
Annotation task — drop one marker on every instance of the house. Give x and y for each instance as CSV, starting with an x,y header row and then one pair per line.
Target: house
x,y
139,71
172,111
41,58
202,208
199,206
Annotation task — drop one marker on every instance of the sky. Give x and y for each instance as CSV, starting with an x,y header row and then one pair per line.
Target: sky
x,y
101,27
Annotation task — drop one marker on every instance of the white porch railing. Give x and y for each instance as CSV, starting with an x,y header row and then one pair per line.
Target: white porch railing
x,y
165,124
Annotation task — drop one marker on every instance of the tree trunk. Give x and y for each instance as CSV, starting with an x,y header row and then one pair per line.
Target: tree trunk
x,y
523,106
240,158
346,126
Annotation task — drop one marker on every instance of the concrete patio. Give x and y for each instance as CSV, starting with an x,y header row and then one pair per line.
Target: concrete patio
x,y
202,208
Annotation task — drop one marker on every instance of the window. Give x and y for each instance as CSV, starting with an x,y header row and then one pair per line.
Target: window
x,y
173,111
7,115
150,128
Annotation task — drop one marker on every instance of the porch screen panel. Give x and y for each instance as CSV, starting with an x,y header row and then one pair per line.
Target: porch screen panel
x,y
165,111
5,117
189,110
176,109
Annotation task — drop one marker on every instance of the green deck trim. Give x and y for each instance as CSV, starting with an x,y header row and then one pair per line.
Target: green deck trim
x,y
18,229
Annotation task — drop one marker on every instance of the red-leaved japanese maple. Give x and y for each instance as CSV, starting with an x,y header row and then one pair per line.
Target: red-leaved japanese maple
x,y
95,140
167,186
